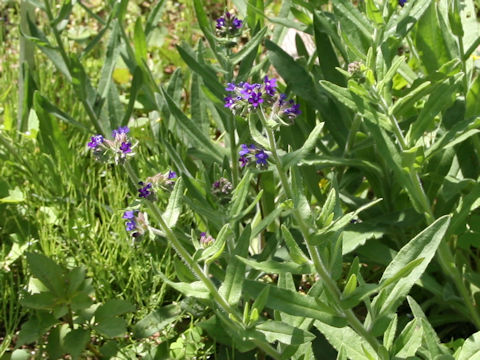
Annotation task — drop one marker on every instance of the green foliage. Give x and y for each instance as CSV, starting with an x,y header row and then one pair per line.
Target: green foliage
x,y
66,311
367,198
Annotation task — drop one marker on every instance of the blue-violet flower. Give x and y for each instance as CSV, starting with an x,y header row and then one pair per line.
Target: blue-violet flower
x,y
228,25
246,97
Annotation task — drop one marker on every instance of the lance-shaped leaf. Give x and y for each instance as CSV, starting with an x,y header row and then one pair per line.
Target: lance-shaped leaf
x,y
424,245
192,130
346,340
272,331
293,303
276,267
231,288
174,207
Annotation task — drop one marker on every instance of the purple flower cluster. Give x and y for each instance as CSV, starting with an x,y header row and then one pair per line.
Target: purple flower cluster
x,y
135,223
119,148
228,25
161,181
95,142
248,152
402,2
248,97
145,191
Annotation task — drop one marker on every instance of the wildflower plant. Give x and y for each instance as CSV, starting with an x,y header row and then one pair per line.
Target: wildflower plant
x,y
357,220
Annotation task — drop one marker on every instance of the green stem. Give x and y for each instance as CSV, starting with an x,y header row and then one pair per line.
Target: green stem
x,y
197,271
330,284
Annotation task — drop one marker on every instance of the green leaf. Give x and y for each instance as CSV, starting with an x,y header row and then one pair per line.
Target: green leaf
x,y
429,40
59,114
356,103
407,102
430,336
111,327
355,235
293,303
140,42
389,335
39,38
208,75
439,100
351,13
41,301
294,157
350,286
48,272
459,132
424,245
470,349
192,130
409,340
239,195
14,196
231,288
205,23
20,354
175,202
275,267
35,327
347,339
296,253
112,308
250,47
75,278
269,219
76,341
195,289
157,320
279,331
294,74
261,300
399,26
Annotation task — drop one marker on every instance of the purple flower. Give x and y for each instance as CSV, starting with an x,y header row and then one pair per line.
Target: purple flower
x,y
220,23
145,191
130,225
243,161
171,175
246,149
262,157
270,85
129,214
247,90
402,2
229,102
228,25
120,130
237,23
255,99
95,141
293,110
282,99
231,87
126,147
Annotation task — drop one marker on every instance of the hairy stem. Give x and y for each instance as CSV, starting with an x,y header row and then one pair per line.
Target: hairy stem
x,y
196,269
330,285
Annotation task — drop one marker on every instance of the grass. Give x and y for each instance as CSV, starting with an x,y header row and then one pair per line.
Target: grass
x,y
72,206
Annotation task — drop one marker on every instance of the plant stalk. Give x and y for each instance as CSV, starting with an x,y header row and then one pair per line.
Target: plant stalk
x,y
322,271
197,271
